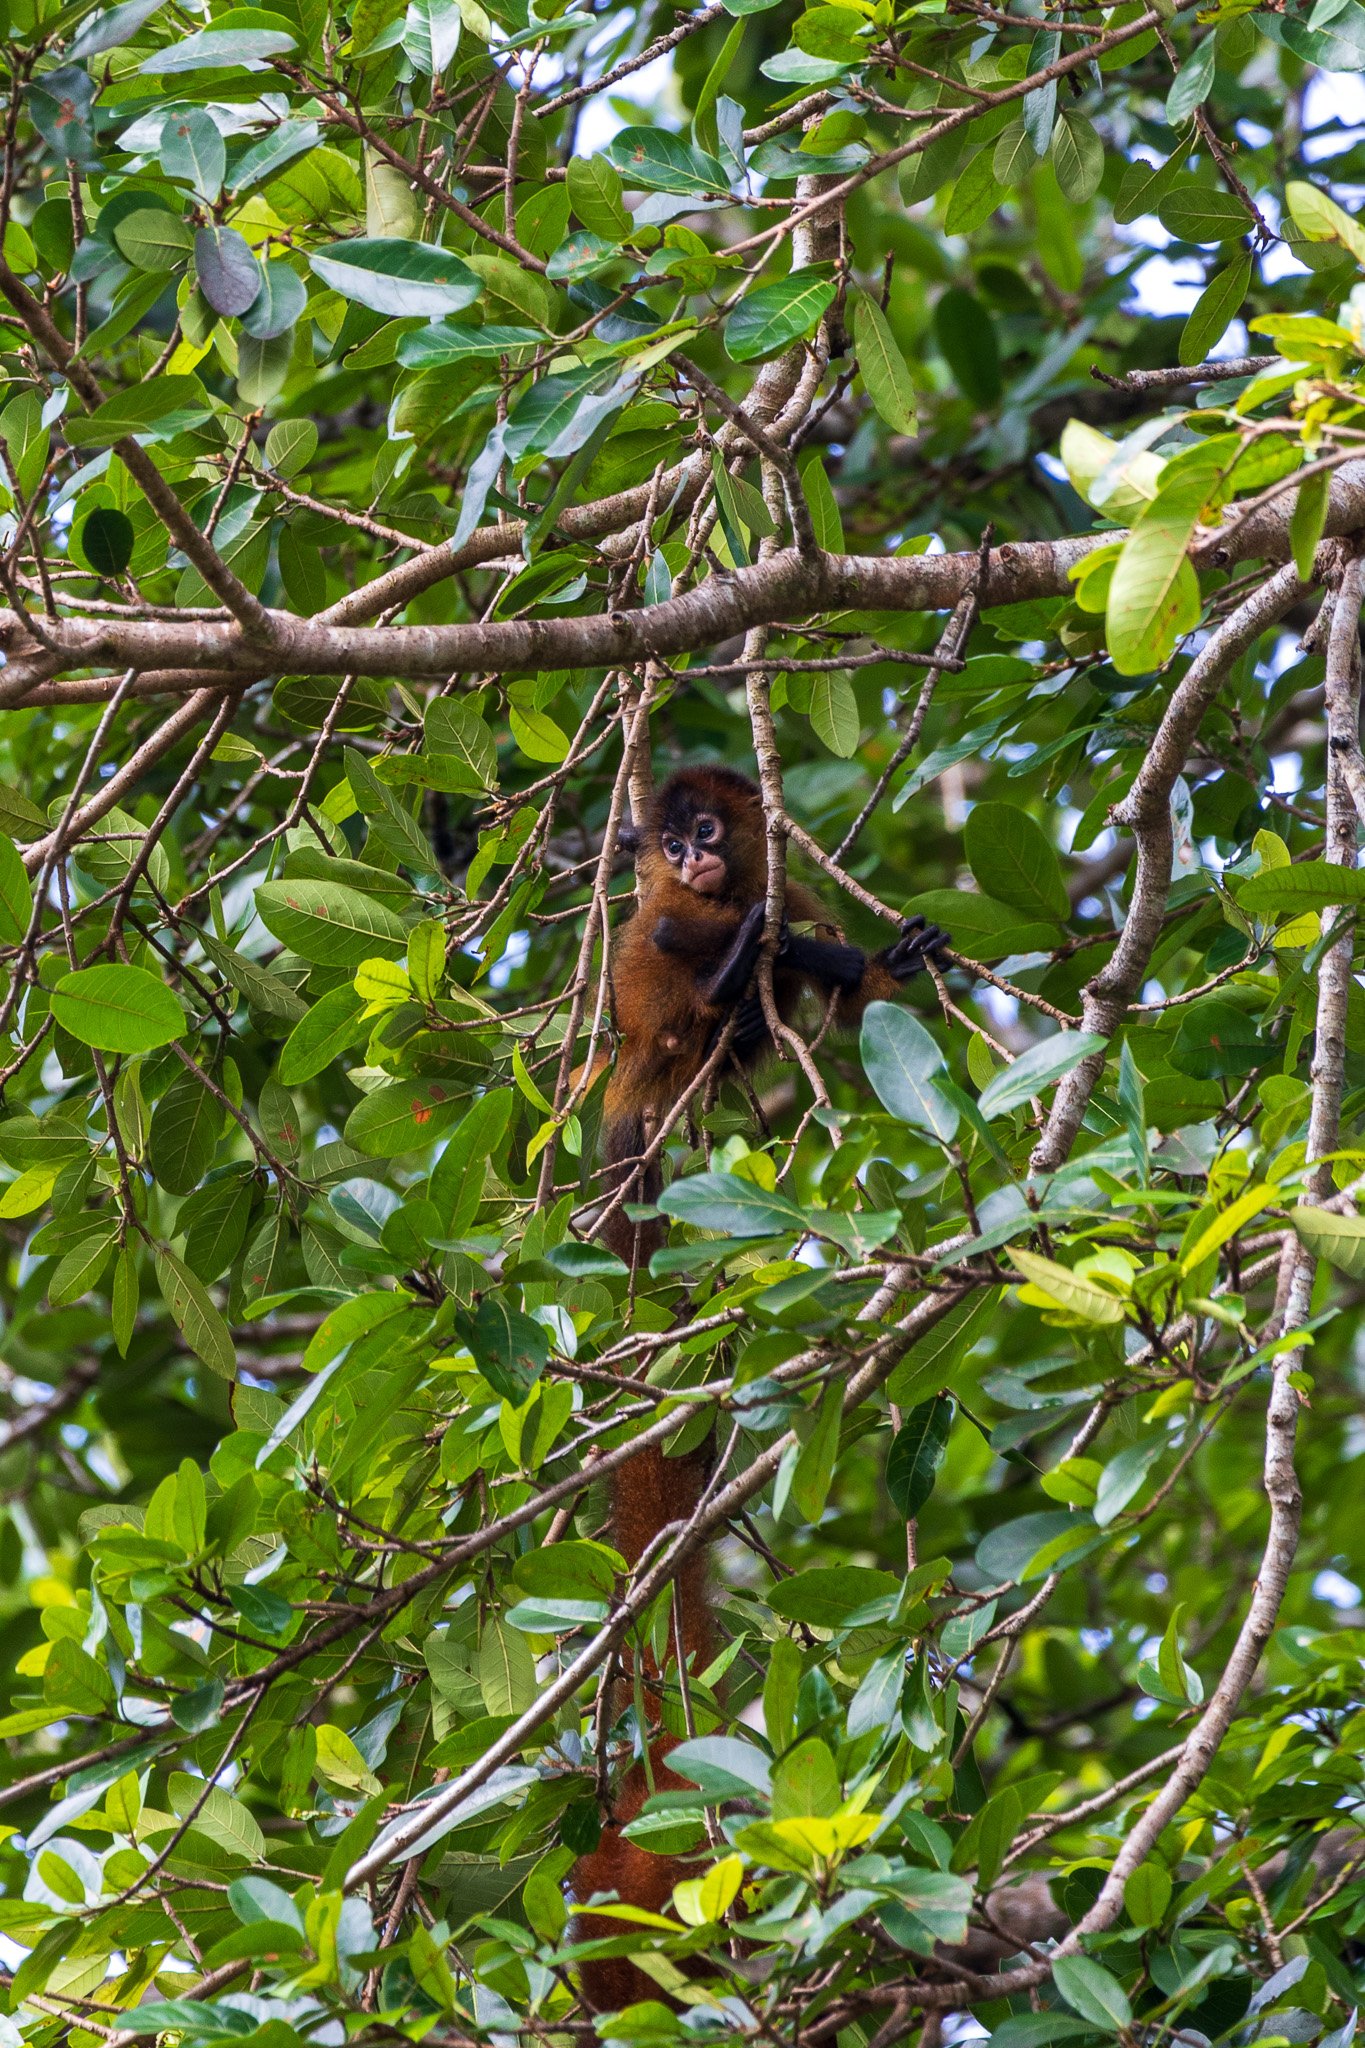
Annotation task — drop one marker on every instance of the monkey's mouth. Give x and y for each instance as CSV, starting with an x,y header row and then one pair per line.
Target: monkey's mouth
x,y
704,872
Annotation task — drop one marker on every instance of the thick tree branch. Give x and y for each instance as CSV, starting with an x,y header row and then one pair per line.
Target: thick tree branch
x,y
786,588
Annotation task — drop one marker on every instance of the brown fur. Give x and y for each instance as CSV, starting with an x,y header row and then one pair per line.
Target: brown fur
x,y
666,1027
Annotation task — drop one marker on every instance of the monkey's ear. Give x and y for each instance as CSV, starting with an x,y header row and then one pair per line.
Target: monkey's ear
x,y
628,838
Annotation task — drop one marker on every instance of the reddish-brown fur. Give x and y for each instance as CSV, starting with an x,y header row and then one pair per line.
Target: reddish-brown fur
x,y
666,1027
664,1024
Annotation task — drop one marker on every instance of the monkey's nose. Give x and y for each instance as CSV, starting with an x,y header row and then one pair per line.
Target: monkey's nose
x,y
703,872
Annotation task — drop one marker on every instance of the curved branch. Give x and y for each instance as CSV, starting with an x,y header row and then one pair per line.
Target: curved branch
x,y
1146,813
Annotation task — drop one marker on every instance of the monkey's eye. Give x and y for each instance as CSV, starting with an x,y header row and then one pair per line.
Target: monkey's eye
x,y
705,830
673,848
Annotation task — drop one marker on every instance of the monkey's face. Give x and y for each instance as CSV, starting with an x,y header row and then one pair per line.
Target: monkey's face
x,y
695,849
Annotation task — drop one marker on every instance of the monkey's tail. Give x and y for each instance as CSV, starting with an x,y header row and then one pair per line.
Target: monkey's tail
x,y
625,1138
648,1494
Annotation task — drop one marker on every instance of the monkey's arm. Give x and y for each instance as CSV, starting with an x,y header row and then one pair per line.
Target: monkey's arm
x,y
918,944
732,975
700,939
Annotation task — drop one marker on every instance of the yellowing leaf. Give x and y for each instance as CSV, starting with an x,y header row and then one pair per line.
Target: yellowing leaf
x,y
339,1762
700,1900
1067,1290
382,984
1087,455
1322,220
1227,1223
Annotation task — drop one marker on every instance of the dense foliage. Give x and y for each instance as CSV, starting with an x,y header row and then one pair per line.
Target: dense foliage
x,y
410,447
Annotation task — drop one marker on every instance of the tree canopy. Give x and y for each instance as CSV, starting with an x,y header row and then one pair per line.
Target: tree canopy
x,y
424,423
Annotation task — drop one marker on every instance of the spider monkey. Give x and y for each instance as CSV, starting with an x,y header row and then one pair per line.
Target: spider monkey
x,y
683,965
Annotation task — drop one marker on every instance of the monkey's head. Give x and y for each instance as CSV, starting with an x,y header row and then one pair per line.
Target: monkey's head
x,y
705,828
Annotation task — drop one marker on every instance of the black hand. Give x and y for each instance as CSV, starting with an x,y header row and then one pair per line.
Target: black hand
x,y
918,943
731,977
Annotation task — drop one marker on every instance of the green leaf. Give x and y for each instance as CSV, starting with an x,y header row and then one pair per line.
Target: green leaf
x,y
401,1116
1308,520
457,1179
917,1451
118,1009
460,740
1145,185
153,239
1227,1222
537,735
440,344
827,1596
1147,1894
194,1314
982,928
900,1059
814,1471
1191,85
1338,1239
16,895
735,1208
1203,213
1015,862
405,279
1089,1990
229,275
193,150
187,2017
1037,1069
280,300
72,1678
1077,156
985,1842
1122,1478
966,336
219,50
824,506
544,1616
834,711
976,194
431,35
1015,154
186,1125
663,162
1216,308
1308,885
506,1669
329,922
774,315
107,539
723,1766
161,407
883,366
291,446
264,991
596,196
225,1820
1071,1291
1154,592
